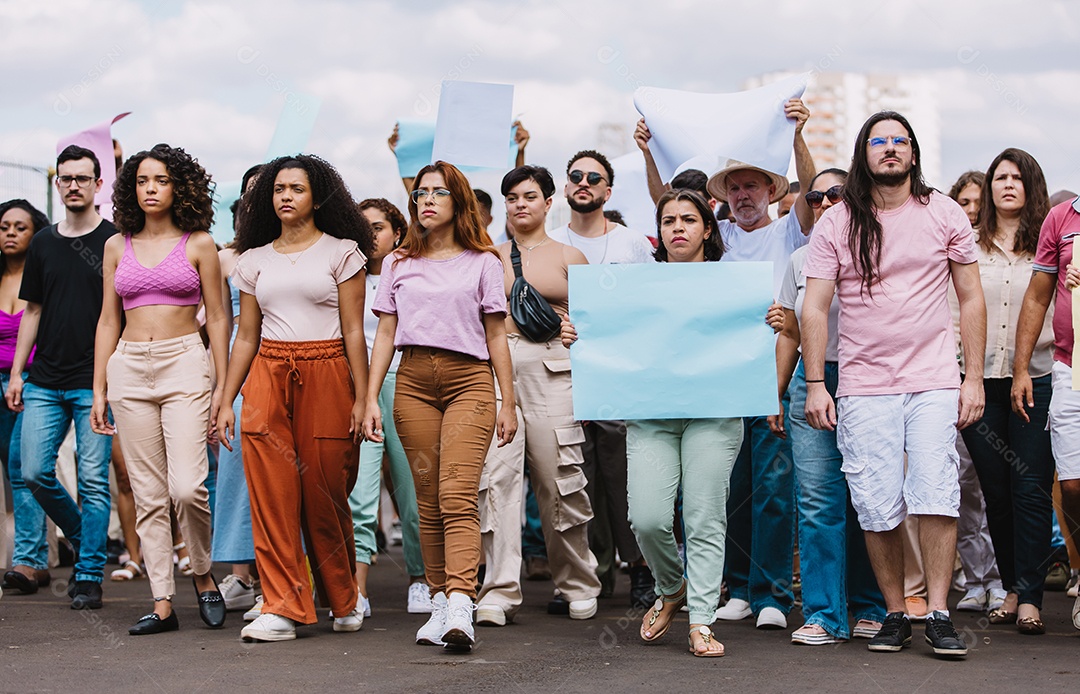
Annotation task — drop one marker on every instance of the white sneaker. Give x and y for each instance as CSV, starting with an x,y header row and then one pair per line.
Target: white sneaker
x,y
1076,613
583,609
363,605
1073,589
253,614
771,618
431,633
490,616
973,601
238,595
458,633
269,627
734,610
419,598
350,622
996,599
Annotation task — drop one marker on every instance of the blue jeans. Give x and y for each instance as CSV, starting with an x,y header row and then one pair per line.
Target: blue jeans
x,y
232,542
836,571
761,520
31,528
45,422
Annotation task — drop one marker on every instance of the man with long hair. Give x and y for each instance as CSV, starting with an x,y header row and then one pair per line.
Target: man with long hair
x,y
888,251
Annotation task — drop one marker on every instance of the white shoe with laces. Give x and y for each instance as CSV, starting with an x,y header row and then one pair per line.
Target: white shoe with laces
x,y
353,621
269,627
256,610
419,598
458,633
238,594
431,633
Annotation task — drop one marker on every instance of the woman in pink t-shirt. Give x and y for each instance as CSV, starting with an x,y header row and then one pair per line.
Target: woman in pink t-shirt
x,y
441,302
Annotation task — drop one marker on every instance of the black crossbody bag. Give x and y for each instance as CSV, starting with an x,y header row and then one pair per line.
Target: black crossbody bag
x,y
531,312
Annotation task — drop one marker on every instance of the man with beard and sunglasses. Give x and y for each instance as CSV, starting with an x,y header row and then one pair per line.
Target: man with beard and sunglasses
x,y
588,187
888,251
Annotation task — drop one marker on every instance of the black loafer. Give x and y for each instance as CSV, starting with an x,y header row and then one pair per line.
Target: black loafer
x,y
15,580
153,624
211,605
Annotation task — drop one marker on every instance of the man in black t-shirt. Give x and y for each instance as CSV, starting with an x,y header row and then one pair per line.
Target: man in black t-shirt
x,y
62,284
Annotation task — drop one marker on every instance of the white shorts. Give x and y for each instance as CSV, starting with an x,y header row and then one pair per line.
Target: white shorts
x,y
873,434
1065,423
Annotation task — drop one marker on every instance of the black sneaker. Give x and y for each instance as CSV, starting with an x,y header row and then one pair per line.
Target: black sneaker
x,y
894,634
642,588
942,636
87,596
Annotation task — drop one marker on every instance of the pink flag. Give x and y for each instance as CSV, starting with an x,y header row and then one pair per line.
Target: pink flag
x,y
98,140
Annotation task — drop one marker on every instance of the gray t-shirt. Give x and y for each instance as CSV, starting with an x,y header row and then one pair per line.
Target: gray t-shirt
x,y
793,292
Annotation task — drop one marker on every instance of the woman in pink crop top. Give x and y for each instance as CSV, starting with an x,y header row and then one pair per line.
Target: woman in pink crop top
x,y
300,346
156,376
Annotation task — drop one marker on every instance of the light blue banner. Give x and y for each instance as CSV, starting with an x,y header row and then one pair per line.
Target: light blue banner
x,y
416,143
672,340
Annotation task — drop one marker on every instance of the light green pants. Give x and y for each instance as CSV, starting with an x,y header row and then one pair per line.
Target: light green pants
x,y
364,499
696,455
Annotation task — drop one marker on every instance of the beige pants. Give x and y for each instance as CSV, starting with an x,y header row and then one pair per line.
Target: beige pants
x,y
160,398
549,441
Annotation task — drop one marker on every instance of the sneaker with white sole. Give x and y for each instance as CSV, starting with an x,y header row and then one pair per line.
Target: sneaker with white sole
x,y
1073,589
490,616
431,633
1076,613
350,622
583,609
419,598
973,601
256,610
238,594
865,629
734,610
269,627
363,606
458,632
813,635
771,618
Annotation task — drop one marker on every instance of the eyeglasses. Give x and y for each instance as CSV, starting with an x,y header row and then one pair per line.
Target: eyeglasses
x,y
898,141
815,197
81,181
592,177
438,194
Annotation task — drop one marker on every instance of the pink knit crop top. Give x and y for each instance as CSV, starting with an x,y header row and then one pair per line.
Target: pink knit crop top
x,y
173,281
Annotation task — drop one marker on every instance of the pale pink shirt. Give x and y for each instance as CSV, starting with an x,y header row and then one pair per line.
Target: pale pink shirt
x,y
299,301
901,339
441,303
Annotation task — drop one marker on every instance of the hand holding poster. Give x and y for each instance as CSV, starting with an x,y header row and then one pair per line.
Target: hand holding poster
x,y
672,340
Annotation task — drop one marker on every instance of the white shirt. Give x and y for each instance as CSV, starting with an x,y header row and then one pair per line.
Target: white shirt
x,y
371,321
620,245
793,293
775,242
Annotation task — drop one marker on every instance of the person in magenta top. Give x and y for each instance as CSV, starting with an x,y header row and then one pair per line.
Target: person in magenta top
x,y
1055,273
156,375
888,251
441,302
19,221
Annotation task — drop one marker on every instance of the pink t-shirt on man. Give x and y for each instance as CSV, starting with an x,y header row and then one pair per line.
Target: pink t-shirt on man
x,y
441,303
1056,239
900,340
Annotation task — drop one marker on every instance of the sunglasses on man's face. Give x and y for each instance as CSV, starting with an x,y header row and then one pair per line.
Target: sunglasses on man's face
x,y
592,177
815,197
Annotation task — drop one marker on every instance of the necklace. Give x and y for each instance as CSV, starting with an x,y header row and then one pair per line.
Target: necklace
x,y
607,238
293,261
536,245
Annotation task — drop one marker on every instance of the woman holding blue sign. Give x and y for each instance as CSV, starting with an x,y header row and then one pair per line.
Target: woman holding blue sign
x,y
696,455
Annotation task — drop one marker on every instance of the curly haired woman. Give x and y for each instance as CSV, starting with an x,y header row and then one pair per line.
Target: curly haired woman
x,y
300,345
156,376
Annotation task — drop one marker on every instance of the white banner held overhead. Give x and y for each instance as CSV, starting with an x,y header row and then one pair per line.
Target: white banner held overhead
x,y
472,125
749,126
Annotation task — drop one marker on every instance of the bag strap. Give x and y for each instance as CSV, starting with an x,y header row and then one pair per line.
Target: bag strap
x,y
515,257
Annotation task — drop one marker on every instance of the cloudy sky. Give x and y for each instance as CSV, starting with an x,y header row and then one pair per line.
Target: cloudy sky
x,y
214,77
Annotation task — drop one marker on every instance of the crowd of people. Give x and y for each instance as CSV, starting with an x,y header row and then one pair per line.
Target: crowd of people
x,y
254,400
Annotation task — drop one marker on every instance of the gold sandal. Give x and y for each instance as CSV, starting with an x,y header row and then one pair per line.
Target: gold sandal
x,y
706,636
677,600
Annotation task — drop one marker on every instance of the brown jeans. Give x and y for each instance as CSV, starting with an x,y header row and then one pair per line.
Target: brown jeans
x,y
444,409
301,464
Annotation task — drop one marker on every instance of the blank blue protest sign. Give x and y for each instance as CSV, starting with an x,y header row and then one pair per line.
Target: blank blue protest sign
x,y
672,340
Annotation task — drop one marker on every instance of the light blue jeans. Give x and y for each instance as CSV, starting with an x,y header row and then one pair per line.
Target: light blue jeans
x,y
696,455
232,543
364,499
31,527
836,571
48,414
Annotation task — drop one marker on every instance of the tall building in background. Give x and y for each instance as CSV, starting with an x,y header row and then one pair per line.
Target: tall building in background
x,y
840,102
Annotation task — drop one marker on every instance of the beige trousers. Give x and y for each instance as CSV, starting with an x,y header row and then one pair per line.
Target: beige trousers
x,y
160,397
549,441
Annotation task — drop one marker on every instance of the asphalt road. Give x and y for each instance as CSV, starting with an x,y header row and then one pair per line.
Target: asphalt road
x,y
45,646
